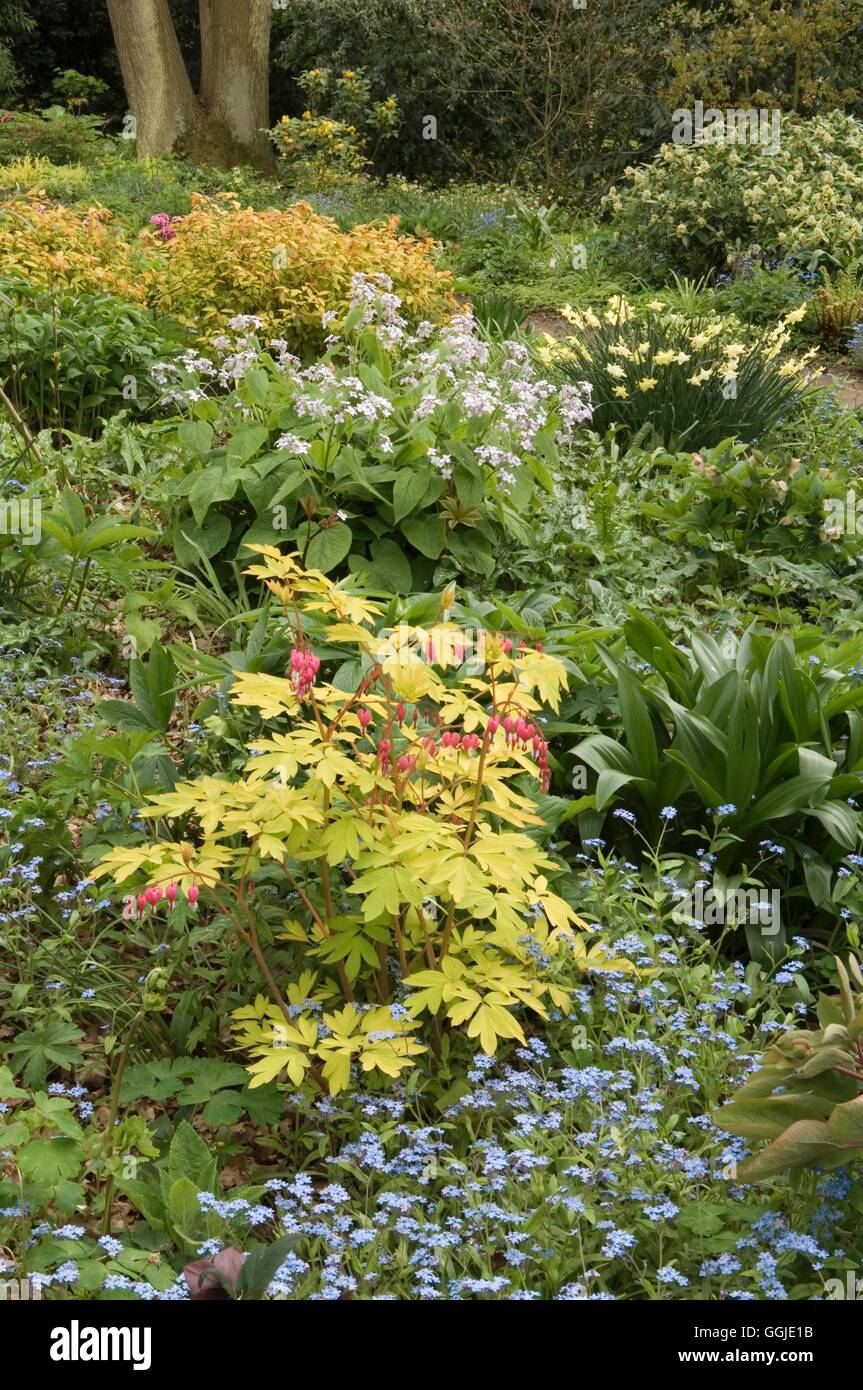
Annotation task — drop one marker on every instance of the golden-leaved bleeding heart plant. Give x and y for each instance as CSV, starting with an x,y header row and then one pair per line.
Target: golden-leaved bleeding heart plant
x,y
393,815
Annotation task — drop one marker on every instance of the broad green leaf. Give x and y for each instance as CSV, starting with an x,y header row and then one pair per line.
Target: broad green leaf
x,y
329,547
196,436
189,1157
409,489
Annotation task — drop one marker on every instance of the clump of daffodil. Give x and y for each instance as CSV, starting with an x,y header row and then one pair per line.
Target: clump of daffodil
x,y
693,379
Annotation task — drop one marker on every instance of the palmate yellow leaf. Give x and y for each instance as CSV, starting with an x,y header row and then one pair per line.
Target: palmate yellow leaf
x,y
353,607
455,706
293,931
391,1063
412,680
434,987
272,695
505,812
267,1068
458,878
490,1022
207,798
333,765
386,890
337,1070
345,632
509,695
508,857
544,673
598,957
124,861
303,987
341,839
463,1007
255,1011
270,847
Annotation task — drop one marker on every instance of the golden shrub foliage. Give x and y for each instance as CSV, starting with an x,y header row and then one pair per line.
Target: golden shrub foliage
x,y
286,265
70,248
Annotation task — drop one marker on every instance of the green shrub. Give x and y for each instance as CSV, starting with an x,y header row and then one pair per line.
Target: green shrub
x,y
331,139
761,292
53,133
69,360
736,500
391,455
696,204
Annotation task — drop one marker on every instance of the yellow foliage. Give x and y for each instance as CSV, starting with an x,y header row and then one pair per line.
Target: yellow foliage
x,y
286,266
70,248
425,832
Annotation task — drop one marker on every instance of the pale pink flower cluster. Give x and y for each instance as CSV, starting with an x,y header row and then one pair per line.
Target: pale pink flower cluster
x,y
497,388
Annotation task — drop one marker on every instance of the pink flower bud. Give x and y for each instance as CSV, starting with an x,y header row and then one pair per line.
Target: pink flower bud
x,y
400,712
365,718
509,724
507,645
153,895
192,894
407,763
142,901
171,893
493,725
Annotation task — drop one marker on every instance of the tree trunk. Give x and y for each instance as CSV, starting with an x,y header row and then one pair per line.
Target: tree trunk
x,y
157,84
235,47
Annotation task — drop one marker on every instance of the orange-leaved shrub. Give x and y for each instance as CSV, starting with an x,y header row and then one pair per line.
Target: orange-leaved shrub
x,y
287,266
71,248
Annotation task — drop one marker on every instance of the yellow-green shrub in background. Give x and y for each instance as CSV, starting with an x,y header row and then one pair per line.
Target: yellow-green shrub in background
x,y
38,175
72,248
287,266
695,205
